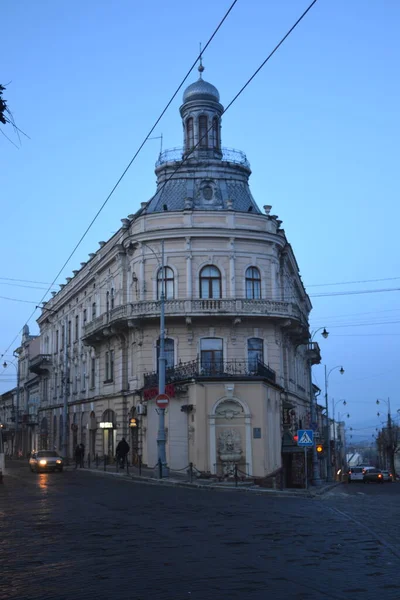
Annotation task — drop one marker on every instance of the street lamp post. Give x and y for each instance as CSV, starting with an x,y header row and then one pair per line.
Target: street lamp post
x,y
334,404
328,429
161,438
316,480
390,433
5,365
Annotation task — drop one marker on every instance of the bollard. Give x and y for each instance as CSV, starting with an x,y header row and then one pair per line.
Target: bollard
x,y
1,476
191,471
140,464
159,468
88,460
127,466
236,476
105,461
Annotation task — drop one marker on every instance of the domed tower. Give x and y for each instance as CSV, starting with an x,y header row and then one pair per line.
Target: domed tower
x,y
201,116
202,175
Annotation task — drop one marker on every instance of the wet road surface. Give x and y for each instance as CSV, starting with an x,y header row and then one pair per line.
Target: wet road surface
x,y
76,535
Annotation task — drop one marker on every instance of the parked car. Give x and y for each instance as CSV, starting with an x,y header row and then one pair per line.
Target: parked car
x,y
46,460
373,475
357,473
387,476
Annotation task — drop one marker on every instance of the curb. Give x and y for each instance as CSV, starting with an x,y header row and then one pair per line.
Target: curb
x,y
215,486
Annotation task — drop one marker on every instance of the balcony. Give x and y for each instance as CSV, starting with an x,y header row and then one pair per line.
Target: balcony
x,y
127,314
234,369
237,157
40,364
314,353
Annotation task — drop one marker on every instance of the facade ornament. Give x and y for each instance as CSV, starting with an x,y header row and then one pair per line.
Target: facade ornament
x,y
229,450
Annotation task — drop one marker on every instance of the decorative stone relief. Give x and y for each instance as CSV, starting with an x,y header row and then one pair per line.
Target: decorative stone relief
x,y
229,409
208,194
229,450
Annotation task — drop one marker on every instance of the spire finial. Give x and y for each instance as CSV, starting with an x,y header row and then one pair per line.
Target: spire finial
x,y
200,67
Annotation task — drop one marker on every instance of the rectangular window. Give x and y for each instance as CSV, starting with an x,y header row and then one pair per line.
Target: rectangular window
x,y
56,342
69,338
211,356
63,336
84,316
55,385
45,389
109,364
255,353
93,373
93,310
83,382
169,352
76,328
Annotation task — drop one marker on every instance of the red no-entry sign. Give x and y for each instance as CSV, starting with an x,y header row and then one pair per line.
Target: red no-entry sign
x,y
162,400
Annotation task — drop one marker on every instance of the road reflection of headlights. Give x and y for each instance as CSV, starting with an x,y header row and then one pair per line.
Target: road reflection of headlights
x,y
42,462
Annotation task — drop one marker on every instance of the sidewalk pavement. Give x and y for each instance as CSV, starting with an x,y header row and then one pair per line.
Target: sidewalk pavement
x,y
181,479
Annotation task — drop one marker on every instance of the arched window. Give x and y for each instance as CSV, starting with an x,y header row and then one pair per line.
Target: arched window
x,y
94,310
210,282
169,349
112,298
255,353
107,301
168,283
215,130
253,283
189,134
203,132
211,356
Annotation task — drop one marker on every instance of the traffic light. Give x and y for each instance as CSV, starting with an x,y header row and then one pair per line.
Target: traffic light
x,y
320,450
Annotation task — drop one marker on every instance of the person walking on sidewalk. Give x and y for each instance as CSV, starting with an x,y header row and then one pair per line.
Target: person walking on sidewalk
x,y
77,456
122,451
82,461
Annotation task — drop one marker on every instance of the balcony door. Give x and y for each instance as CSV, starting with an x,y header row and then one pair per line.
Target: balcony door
x,y
211,356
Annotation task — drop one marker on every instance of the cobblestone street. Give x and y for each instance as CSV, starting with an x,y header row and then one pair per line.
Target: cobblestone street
x,y
79,535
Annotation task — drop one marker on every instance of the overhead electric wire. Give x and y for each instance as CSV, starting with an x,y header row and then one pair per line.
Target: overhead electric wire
x,y
17,300
131,162
24,280
350,282
353,292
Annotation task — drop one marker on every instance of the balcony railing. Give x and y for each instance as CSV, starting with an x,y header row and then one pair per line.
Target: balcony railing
x,y
215,370
196,307
231,155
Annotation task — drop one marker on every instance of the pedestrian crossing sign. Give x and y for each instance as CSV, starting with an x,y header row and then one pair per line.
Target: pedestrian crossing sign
x,y
305,437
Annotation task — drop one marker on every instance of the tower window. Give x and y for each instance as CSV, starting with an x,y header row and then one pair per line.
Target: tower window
x,y
215,130
203,132
189,134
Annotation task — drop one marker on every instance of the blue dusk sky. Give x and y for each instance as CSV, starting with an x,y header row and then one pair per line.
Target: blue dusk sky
x,y
319,124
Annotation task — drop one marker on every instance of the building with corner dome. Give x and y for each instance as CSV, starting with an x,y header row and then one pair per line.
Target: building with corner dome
x,y
236,311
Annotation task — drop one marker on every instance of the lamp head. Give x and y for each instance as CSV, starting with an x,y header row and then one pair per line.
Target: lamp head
x,y
325,333
344,402
341,371
5,365
377,402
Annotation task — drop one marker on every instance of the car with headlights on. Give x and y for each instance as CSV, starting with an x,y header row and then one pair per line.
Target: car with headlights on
x,y
387,476
373,476
46,460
